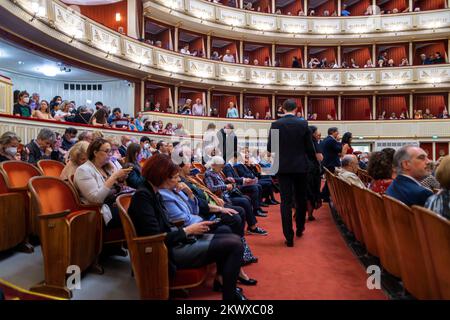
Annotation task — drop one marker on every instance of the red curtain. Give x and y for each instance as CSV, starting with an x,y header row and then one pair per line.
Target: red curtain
x,y
198,45
329,53
257,104
260,54
323,107
392,104
361,56
161,95
441,146
286,58
330,5
430,4
221,101
428,147
106,14
359,8
264,4
436,46
399,4
298,100
435,102
190,95
293,7
396,53
356,108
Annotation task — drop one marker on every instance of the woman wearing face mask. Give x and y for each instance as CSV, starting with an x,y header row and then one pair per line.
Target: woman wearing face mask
x,y
64,111
9,142
98,181
116,157
56,101
21,108
132,160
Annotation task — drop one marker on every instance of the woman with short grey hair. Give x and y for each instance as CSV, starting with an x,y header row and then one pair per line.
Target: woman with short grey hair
x,y
9,142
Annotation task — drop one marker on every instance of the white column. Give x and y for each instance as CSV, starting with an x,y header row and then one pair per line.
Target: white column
x,y
411,55
411,106
448,47
339,55
305,108
175,45
339,108
273,54
241,51
208,46
142,97
273,6
374,54
374,107
208,103
175,101
241,3
305,7
132,19
339,7
272,107
305,56
411,5
241,104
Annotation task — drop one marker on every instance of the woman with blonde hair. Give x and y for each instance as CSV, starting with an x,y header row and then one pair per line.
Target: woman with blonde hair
x,y
9,142
77,157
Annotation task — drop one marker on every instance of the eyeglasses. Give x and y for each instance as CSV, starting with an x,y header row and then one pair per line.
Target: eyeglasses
x,y
109,152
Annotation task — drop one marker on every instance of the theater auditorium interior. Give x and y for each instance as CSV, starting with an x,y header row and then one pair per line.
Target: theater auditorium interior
x,y
135,160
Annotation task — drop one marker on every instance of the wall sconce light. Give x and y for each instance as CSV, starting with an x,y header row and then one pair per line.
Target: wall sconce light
x,y
118,17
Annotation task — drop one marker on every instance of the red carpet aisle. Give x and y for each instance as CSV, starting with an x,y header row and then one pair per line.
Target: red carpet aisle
x,y
319,266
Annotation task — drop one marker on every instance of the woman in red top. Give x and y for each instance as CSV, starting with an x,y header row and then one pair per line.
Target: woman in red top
x,y
346,143
380,169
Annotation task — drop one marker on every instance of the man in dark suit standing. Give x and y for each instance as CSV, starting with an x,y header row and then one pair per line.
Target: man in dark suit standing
x,y
411,164
331,148
294,147
227,142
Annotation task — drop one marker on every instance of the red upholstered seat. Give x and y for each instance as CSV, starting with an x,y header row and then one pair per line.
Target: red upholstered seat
x,y
187,278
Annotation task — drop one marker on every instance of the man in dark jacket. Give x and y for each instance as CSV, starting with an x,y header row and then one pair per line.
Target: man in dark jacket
x,y
295,146
331,148
42,147
411,164
227,142
69,138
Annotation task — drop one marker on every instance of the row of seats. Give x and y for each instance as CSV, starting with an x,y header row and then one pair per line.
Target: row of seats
x,y
72,234
412,243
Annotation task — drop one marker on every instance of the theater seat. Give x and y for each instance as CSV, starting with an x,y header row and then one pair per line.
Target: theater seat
x,y
69,233
415,269
51,168
17,175
199,166
13,292
13,220
364,176
149,260
434,234
384,237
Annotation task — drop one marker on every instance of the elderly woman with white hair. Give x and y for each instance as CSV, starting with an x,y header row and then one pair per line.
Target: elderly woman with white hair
x,y
9,142
230,194
186,109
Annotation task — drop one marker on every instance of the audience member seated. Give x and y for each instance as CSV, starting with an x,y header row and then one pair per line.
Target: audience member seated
x,y
132,160
179,130
69,138
35,101
185,50
418,114
329,117
444,114
380,169
438,58
99,182
313,63
369,64
424,60
63,110
404,62
230,193
440,202
77,157
349,169
295,63
402,116
428,114
150,217
186,108
162,147
255,62
82,116
249,115
390,63
215,56
411,165
430,181
42,111
125,142
99,118
353,64
116,157
9,143
118,121
228,57
393,116
43,147
168,130
21,108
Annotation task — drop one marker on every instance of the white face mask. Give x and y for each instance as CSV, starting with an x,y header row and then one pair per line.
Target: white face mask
x,y
12,151
26,99
146,146
73,140
128,144
157,126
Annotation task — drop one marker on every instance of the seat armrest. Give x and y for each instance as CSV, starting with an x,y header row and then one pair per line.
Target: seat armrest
x,y
178,223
